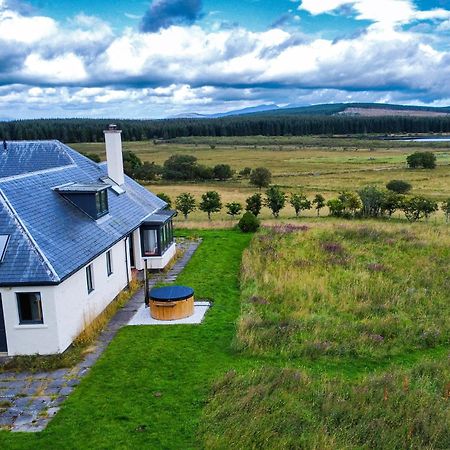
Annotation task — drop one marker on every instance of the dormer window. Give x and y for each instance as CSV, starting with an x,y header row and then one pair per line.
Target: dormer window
x,y
92,199
101,202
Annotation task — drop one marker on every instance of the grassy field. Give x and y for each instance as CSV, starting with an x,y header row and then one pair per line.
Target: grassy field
x,y
360,290
165,387
311,165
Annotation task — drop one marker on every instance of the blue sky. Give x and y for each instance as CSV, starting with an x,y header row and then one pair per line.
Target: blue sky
x,y
165,57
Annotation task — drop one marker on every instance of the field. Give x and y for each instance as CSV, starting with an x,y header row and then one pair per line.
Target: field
x,y
192,387
298,164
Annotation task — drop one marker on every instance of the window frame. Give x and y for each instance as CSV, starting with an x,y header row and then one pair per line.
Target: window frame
x,y
90,278
38,298
101,203
109,263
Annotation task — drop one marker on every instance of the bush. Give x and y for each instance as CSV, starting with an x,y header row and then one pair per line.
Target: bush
x,y
427,160
245,172
249,223
222,172
399,186
415,208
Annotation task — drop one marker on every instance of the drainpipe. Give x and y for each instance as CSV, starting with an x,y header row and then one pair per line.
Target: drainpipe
x,y
126,262
147,299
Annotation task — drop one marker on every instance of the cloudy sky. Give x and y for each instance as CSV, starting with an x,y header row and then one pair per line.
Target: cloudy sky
x,y
152,59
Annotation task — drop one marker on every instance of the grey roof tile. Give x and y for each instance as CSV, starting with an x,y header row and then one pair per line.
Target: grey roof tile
x,y
56,238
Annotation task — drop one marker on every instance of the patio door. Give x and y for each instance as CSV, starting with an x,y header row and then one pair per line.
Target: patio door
x,y
3,344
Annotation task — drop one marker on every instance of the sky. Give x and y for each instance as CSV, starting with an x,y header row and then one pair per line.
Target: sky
x,y
161,58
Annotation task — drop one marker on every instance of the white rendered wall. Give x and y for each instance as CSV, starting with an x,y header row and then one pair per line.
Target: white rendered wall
x,y
30,339
139,261
76,308
66,308
159,262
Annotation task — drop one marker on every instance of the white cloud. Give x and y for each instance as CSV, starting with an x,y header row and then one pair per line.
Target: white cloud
x,y
92,71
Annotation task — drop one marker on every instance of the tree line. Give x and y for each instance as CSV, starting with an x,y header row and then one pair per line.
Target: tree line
x,y
369,201
91,130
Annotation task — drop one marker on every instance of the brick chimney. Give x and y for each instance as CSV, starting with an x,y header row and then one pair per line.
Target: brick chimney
x,y
113,141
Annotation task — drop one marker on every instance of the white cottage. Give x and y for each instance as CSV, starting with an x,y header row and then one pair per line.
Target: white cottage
x,y
71,233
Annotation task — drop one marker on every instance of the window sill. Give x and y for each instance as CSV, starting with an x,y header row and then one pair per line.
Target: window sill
x,y
31,326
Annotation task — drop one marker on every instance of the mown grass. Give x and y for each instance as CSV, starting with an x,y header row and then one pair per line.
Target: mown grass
x,y
356,290
288,409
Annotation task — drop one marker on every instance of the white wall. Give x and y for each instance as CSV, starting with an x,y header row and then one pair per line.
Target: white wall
x,y
159,262
30,339
67,308
75,307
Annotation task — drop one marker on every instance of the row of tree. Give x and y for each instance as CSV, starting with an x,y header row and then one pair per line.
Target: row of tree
x,y
91,130
369,201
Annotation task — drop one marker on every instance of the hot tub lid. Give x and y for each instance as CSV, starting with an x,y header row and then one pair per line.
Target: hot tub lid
x,y
171,293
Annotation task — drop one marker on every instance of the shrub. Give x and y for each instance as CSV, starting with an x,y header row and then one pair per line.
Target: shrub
x,y
180,167
222,172
245,172
446,208
249,223
92,156
399,186
148,171
427,160
415,208
131,163
372,200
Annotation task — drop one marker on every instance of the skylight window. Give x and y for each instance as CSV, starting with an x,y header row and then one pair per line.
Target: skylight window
x,y
4,239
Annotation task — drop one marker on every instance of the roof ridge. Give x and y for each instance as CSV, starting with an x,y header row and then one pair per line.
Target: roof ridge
x,y
16,217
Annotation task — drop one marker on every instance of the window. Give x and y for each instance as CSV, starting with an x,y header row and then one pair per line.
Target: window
x,y
89,278
101,202
150,242
30,307
109,267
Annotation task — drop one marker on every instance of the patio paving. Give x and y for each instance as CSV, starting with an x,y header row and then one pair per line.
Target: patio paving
x,y
28,401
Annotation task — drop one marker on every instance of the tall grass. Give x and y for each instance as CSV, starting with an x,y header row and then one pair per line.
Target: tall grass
x,y
273,408
371,290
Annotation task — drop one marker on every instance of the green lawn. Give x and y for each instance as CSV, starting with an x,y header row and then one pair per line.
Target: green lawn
x,y
149,387
152,388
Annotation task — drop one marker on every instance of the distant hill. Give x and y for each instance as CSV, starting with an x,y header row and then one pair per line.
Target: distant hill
x,y
330,109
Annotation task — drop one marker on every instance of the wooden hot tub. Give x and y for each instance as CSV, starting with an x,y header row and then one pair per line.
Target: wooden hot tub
x,y
171,302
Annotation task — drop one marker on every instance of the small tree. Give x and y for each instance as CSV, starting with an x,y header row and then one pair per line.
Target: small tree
x,y
300,203
164,197
260,177
446,208
350,201
148,171
222,172
391,202
180,167
415,208
254,204
275,200
234,209
131,163
372,200
319,201
398,186
336,207
249,223
185,203
210,203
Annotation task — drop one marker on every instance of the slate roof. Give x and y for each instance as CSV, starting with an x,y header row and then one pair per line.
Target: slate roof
x,y
50,237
